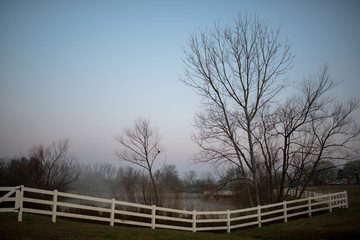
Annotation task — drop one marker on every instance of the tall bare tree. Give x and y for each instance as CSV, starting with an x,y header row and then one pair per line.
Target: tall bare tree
x,y
237,70
140,145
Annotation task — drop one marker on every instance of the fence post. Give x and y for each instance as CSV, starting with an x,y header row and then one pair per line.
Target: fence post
x,y
153,214
259,215
285,211
346,200
228,220
21,196
53,218
309,206
17,199
330,202
194,221
112,214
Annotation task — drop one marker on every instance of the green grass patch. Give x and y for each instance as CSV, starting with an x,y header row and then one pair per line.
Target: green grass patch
x,y
341,224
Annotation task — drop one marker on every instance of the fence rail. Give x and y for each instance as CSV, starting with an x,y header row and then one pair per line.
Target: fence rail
x,y
22,199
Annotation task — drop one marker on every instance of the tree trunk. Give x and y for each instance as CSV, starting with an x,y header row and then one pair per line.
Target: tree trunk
x,y
253,166
155,188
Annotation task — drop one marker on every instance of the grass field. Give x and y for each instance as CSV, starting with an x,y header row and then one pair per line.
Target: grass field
x,y
341,224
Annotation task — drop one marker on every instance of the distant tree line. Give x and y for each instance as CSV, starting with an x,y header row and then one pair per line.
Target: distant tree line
x,y
54,167
134,184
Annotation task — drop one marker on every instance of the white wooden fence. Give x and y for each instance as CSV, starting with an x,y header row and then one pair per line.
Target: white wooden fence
x,y
22,199
305,194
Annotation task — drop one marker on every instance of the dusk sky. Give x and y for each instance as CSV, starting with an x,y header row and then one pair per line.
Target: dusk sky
x,y
84,70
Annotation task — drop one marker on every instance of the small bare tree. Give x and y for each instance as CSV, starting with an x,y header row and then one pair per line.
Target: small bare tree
x,y
189,179
332,134
290,121
54,166
140,145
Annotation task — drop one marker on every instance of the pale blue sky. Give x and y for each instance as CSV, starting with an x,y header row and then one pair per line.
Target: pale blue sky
x,y
84,70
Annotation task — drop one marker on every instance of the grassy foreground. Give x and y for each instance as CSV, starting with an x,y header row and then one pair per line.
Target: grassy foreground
x,y
341,224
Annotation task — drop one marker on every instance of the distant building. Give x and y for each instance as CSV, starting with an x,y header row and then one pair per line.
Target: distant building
x,y
342,179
